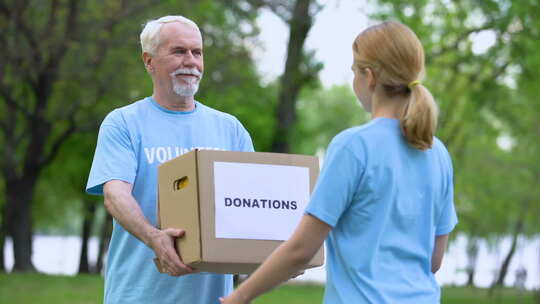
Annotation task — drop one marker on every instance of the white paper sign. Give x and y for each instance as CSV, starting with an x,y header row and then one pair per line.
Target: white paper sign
x,y
257,201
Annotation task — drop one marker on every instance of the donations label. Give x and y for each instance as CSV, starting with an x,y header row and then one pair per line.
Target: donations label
x,y
259,201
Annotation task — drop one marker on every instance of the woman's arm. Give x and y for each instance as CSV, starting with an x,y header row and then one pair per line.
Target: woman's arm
x,y
438,252
284,262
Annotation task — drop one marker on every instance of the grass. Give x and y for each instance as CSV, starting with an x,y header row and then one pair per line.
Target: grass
x,y
40,288
293,294
480,296
86,289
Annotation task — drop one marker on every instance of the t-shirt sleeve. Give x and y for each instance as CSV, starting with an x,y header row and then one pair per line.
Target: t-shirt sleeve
x,y
114,157
447,219
336,185
245,144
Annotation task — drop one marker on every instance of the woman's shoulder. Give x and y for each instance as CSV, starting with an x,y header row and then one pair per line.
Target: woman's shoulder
x,y
355,139
439,147
348,135
363,133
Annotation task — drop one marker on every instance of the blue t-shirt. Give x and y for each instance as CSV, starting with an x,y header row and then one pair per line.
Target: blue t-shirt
x,y
132,142
386,202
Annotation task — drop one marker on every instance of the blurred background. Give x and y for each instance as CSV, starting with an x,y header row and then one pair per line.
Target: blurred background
x,y
283,68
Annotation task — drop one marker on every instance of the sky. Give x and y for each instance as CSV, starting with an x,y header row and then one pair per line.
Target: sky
x,y
331,36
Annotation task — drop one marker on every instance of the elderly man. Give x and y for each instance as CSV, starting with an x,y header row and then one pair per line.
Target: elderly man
x,y
133,141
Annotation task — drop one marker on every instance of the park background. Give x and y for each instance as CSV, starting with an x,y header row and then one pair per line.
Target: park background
x,y
283,68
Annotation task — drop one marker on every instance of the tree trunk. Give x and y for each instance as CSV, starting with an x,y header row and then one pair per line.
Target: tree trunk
x,y
89,214
506,263
2,242
106,231
293,78
3,233
19,195
472,255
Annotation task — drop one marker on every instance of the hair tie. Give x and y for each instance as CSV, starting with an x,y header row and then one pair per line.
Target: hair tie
x,y
413,83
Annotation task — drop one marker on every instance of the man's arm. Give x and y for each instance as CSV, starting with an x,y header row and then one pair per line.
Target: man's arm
x,y
438,252
124,208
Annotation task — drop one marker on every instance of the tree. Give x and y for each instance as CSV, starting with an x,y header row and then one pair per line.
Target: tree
x,y
40,40
300,68
64,65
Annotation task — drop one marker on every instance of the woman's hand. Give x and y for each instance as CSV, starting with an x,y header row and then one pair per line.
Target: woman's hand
x,y
234,298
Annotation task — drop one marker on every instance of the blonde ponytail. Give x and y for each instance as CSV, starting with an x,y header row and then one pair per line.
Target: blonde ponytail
x,y
419,120
396,56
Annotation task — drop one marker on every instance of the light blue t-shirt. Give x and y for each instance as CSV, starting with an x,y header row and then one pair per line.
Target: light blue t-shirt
x,y
132,142
386,202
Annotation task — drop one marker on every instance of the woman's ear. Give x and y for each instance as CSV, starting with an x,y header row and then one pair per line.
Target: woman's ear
x,y
371,78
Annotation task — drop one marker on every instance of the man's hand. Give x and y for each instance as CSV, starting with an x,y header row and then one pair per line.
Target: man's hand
x,y
121,204
162,242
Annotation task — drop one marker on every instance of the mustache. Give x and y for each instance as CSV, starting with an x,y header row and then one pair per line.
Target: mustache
x,y
191,71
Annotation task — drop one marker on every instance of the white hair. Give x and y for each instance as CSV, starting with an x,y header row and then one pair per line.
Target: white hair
x,y
150,33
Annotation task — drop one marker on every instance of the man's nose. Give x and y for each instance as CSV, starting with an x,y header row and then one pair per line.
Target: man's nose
x,y
189,60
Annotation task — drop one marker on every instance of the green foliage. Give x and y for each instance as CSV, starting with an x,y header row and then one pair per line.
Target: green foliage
x,y
102,70
322,114
60,191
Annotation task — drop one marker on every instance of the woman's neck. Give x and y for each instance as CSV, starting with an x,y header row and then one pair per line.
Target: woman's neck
x,y
389,107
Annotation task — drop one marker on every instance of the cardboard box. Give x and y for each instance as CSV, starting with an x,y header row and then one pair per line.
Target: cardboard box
x,y
236,207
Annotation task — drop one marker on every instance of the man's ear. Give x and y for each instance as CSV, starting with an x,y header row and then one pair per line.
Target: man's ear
x,y
147,59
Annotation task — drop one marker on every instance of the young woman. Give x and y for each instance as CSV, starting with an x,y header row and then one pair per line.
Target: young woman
x,y
384,199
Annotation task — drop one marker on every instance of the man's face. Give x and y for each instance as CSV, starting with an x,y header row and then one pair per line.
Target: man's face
x,y
178,63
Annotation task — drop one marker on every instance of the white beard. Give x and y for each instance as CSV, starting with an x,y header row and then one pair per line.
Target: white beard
x,y
192,86
185,89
